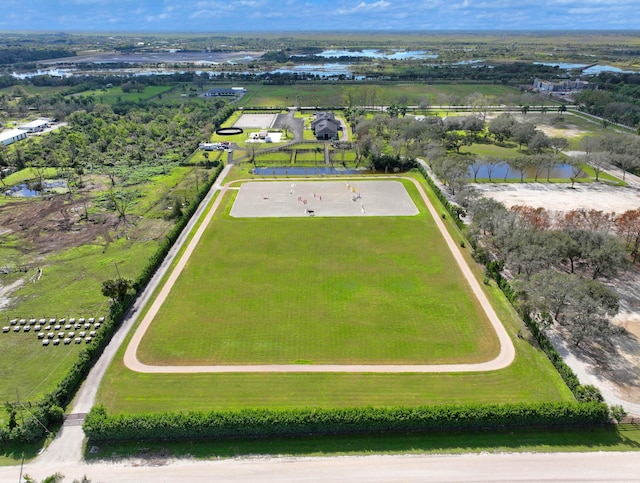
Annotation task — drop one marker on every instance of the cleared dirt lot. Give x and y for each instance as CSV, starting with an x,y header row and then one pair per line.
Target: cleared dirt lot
x,y
561,197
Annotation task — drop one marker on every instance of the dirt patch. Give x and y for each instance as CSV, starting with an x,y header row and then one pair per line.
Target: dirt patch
x,y
55,224
7,290
569,132
561,197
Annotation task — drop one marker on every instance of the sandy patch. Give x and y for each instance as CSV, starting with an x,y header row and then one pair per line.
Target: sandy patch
x,y
569,132
256,121
561,197
278,199
6,291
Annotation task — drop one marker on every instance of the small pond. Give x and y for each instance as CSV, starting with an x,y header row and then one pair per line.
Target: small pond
x,y
503,172
29,190
308,171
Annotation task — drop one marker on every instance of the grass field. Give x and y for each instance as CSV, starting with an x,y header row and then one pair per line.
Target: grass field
x,y
124,391
330,95
115,94
307,295
69,287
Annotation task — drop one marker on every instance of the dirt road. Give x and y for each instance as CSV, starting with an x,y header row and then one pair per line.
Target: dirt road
x,y
521,467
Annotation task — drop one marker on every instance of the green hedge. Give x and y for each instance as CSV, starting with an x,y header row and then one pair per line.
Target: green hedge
x,y
454,211
250,423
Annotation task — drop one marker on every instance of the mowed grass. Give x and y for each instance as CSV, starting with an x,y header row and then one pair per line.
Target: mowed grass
x,y
530,378
324,290
620,438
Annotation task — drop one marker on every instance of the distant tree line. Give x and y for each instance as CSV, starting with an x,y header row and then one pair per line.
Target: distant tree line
x,y
617,98
21,55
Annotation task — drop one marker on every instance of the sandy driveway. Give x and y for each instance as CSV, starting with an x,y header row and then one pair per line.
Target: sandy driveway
x,y
504,358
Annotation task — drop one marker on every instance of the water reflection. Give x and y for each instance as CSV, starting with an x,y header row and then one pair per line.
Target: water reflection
x,y
30,190
504,172
302,171
378,54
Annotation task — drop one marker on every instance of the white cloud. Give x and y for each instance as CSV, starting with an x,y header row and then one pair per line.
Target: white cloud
x,y
364,6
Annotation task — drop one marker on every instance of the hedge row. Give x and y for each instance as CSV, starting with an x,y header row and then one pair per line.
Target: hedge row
x,y
48,411
250,423
453,210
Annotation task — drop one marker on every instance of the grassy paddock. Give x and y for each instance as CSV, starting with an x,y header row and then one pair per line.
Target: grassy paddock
x,y
115,94
69,287
124,391
330,95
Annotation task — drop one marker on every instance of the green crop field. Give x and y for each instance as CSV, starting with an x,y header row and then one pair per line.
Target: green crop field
x,y
251,319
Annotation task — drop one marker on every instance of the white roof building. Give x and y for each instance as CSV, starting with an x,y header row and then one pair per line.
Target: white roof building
x,y
35,126
11,136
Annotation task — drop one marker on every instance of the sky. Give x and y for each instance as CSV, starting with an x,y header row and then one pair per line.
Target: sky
x,y
212,16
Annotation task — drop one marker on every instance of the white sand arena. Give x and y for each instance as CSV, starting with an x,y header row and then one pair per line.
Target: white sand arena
x,y
259,121
280,199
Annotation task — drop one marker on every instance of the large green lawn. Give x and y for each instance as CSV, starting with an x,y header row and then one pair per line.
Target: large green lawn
x,y
324,290
330,94
531,378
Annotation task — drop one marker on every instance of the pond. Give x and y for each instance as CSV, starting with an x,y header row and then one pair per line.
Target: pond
x,y
504,172
306,171
378,54
25,190
327,69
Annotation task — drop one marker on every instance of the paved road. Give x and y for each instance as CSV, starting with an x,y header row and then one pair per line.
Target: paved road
x,y
468,468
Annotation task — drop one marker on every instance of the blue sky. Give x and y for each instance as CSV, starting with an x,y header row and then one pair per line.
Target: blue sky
x,y
213,16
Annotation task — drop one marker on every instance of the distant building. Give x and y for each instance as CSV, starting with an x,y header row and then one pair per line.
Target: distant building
x,y
11,136
325,126
561,86
36,126
226,92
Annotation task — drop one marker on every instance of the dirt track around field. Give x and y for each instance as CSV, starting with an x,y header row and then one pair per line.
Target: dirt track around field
x,y
504,358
